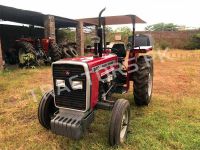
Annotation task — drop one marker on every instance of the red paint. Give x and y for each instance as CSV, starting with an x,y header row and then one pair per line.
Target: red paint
x,y
93,62
44,43
94,90
26,40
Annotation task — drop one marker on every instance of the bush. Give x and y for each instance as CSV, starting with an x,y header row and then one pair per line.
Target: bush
x,y
163,45
194,43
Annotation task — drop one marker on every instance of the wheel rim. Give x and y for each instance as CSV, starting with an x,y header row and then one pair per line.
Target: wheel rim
x,y
74,53
124,126
150,82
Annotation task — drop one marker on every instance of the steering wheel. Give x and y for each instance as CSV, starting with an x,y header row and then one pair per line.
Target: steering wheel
x,y
113,50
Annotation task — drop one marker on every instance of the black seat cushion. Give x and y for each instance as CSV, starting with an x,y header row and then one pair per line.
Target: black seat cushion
x,y
119,49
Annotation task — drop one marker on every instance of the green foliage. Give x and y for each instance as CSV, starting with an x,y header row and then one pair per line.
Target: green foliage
x,y
163,45
125,33
110,34
171,121
194,43
162,27
66,35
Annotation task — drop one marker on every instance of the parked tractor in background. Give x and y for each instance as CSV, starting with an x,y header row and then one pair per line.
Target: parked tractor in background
x,y
85,84
41,51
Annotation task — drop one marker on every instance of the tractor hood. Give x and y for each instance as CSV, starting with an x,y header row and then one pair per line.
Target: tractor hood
x,y
92,61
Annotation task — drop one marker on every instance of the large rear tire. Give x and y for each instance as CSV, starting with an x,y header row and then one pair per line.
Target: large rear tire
x,y
55,52
46,109
69,52
26,54
143,81
119,122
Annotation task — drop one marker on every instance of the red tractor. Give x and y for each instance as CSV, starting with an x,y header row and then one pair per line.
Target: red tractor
x,y
83,85
34,52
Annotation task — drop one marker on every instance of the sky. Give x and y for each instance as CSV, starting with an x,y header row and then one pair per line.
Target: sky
x,y
180,12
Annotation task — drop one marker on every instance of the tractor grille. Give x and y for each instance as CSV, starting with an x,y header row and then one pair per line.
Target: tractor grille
x,y
73,99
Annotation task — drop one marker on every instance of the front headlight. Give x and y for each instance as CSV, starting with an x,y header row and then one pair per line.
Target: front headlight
x,y
60,83
77,85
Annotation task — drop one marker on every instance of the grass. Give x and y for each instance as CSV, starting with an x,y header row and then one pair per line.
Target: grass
x,y
171,121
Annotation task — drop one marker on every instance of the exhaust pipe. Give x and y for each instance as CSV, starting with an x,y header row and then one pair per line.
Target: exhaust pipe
x,y
100,34
101,12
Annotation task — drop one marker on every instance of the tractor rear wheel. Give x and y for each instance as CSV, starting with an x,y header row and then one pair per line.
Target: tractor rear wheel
x,y
72,52
46,109
119,122
143,81
26,54
69,52
66,53
55,52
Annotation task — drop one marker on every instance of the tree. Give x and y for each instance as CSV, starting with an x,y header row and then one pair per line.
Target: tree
x,y
109,34
162,27
66,35
125,33
194,43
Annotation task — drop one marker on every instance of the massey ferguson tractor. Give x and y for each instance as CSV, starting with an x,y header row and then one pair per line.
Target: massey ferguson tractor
x,y
83,85
34,52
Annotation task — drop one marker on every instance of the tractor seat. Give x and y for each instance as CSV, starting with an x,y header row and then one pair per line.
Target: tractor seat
x,y
121,50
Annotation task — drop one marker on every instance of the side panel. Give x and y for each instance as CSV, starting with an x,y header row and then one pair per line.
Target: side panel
x,y
96,73
94,89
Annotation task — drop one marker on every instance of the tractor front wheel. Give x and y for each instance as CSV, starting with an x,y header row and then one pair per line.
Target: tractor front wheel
x,y
119,122
143,81
46,109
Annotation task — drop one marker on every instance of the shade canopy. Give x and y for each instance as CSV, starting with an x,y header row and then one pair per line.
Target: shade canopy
x,y
32,18
113,20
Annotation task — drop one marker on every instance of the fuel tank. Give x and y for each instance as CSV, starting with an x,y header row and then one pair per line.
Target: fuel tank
x,y
97,64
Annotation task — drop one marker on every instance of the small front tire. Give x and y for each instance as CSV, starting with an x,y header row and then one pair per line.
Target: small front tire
x,y
119,122
46,109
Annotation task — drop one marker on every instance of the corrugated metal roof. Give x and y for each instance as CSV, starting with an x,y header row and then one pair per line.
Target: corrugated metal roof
x,y
32,18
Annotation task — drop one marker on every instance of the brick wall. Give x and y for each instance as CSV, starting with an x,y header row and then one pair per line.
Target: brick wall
x,y
175,39
80,38
49,25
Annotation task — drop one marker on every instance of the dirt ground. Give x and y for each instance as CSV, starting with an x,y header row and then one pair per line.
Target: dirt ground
x,y
171,121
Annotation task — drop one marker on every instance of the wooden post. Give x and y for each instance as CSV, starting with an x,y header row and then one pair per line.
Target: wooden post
x,y
80,38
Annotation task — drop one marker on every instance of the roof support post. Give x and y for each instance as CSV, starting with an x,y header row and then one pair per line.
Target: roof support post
x,y
49,27
1,56
133,34
80,38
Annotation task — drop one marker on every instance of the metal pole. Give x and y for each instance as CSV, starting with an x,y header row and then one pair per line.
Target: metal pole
x,y
96,44
100,34
133,32
104,33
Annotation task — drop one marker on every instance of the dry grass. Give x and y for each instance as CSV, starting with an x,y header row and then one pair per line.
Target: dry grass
x,y
171,121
